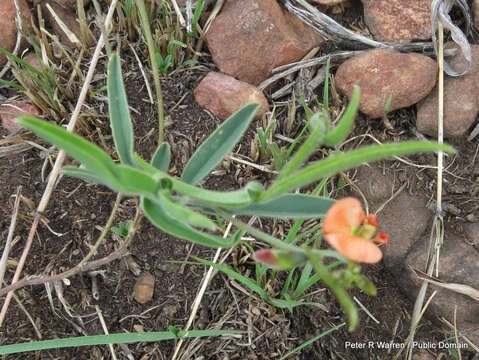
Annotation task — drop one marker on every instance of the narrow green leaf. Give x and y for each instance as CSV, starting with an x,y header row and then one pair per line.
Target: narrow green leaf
x,y
288,206
334,164
309,146
237,276
120,120
341,131
88,154
121,338
172,226
312,340
23,63
12,84
183,213
218,145
291,304
162,157
326,85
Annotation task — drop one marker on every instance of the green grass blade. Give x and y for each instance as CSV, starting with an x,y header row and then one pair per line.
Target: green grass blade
x,y
291,304
110,339
341,131
88,154
309,146
312,340
120,120
162,157
326,85
334,164
237,276
172,226
218,145
288,206
23,63
12,84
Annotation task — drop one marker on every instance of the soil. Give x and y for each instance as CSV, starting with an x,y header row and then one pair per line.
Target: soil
x,y
78,210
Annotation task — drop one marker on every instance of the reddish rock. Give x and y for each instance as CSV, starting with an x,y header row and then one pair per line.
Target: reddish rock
x,y
398,20
382,73
223,95
458,264
404,218
32,59
461,100
251,37
9,112
144,288
8,27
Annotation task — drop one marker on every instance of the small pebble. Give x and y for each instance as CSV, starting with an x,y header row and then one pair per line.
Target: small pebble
x,y
144,288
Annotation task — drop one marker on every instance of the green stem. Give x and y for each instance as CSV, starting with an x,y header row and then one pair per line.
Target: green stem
x,y
276,243
156,75
342,296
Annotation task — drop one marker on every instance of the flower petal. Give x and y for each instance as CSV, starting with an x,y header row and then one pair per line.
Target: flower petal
x,y
355,248
344,216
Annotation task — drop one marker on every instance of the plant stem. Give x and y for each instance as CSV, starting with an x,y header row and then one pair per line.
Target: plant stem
x,y
342,296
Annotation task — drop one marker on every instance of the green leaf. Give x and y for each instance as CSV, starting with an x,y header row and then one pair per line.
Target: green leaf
x,y
90,176
121,338
162,157
341,131
309,146
217,198
154,211
120,120
332,165
218,145
288,206
183,213
88,154
136,182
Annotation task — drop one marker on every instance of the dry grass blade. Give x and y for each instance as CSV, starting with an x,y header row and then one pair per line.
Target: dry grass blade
x,y
199,296
105,329
459,288
71,36
11,231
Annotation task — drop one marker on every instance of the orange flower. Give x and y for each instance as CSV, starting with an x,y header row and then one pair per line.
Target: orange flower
x,y
348,230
